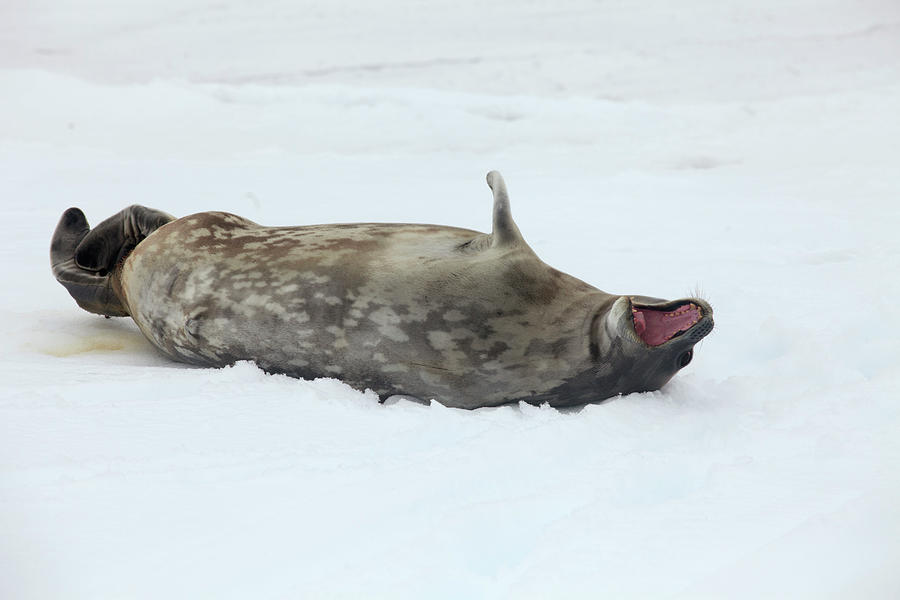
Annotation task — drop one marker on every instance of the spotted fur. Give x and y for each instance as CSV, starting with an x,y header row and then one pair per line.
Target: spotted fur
x,y
469,319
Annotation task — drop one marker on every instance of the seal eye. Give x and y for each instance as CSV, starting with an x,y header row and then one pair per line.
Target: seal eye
x,y
685,359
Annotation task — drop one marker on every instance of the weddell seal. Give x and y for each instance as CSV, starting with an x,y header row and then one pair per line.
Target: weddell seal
x,y
466,318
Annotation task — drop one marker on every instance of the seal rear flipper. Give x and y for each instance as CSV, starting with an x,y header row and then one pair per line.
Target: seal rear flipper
x,y
110,242
85,260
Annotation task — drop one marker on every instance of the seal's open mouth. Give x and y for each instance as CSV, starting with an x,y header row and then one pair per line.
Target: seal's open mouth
x,y
656,327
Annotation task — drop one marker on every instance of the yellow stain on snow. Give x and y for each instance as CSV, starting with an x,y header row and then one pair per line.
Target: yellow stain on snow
x,y
82,346
65,345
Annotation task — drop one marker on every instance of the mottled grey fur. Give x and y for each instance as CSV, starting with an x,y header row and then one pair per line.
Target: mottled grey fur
x,y
469,319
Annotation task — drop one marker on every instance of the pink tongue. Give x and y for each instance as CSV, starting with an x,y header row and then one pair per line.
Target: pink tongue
x,y
656,327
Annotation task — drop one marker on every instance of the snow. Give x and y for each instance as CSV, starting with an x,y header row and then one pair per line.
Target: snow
x,y
746,150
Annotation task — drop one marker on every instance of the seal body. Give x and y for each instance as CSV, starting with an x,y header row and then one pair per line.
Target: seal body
x,y
466,318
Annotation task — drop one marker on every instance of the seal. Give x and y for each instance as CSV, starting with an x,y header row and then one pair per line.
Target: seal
x,y
467,318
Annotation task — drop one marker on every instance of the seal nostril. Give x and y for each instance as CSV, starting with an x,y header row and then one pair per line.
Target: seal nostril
x,y
685,359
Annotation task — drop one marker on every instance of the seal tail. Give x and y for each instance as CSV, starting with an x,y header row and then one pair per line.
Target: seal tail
x,y
85,261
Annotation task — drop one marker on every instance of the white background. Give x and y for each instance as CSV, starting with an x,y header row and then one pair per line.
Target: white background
x,y
750,151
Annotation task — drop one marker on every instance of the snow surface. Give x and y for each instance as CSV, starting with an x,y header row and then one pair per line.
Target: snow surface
x,y
751,150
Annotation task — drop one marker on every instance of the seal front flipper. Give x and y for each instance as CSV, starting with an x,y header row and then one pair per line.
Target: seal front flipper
x,y
85,260
504,231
